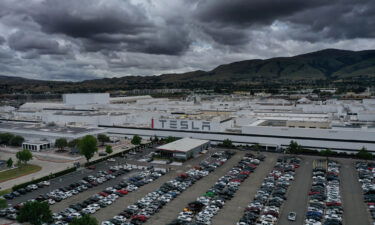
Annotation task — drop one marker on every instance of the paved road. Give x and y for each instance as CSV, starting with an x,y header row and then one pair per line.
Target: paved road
x,y
121,204
171,210
297,195
355,211
232,212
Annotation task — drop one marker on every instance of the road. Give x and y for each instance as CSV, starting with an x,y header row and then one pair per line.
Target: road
x,y
297,195
355,211
232,211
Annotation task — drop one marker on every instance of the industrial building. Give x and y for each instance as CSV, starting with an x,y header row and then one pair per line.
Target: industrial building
x,y
183,149
40,135
341,125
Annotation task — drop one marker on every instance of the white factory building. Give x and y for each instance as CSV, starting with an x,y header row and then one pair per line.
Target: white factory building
x,y
342,125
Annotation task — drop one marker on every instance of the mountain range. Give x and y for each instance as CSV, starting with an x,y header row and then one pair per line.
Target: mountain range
x,y
329,65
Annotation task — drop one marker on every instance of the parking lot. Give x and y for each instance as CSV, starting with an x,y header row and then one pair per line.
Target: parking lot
x,y
354,208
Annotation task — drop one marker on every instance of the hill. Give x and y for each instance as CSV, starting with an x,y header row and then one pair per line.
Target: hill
x,y
326,66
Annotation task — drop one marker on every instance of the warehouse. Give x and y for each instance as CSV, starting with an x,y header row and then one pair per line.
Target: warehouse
x,y
184,149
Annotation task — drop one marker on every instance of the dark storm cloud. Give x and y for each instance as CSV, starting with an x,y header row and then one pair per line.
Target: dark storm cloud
x,y
317,20
346,19
112,25
245,12
2,40
37,43
88,18
83,39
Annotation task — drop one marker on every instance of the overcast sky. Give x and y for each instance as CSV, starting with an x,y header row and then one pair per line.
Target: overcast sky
x,y
88,39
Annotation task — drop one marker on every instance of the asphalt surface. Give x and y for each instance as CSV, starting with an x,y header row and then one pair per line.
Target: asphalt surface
x,y
233,209
297,195
355,211
170,211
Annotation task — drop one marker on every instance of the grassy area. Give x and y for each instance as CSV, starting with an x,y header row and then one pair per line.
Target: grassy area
x,y
18,172
6,191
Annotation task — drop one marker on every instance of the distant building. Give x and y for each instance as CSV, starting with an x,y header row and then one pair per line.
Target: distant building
x,y
184,148
89,98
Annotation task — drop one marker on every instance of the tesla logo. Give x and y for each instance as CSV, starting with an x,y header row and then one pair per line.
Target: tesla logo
x,y
185,125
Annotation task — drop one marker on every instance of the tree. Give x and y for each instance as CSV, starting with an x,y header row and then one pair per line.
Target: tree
x,y
170,139
9,162
88,146
16,140
61,143
227,143
24,156
294,148
136,140
364,154
73,143
103,138
256,147
108,149
5,138
3,203
84,220
35,213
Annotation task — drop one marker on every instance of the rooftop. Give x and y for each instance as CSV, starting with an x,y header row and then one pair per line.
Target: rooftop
x,y
9,126
183,145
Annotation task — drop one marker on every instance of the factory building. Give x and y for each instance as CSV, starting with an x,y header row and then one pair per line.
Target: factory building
x,y
183,149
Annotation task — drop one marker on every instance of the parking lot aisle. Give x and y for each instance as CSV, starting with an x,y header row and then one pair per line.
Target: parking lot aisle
x,y
297,195
60,206
355,211
121,204
232,211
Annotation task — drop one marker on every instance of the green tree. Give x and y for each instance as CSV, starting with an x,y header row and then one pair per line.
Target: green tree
x,y
61,143
24,156
16,140
364,154
84,220
103,138
5,138
327,152
227,143
35,213
3,203
170,139
88,146
136,140
108,149
256,147
294,148
9,162
73,143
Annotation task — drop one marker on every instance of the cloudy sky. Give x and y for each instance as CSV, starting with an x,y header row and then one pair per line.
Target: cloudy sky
x,y
88,39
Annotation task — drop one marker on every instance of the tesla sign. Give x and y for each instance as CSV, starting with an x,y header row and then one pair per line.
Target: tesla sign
x,y
184,125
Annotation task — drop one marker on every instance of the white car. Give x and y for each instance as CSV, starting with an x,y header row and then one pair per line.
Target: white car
x,y
292,216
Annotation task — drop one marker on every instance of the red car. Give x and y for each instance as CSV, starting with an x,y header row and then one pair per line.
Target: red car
x,y
103,194
92,167
123,191
313,192
141,218
333,204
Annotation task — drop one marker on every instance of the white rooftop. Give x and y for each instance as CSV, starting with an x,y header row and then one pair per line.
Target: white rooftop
x,y
183,145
